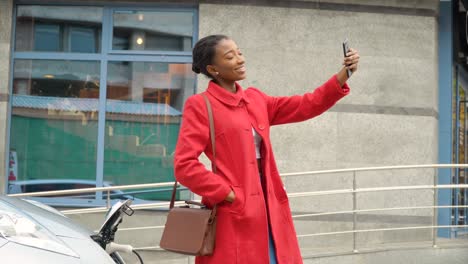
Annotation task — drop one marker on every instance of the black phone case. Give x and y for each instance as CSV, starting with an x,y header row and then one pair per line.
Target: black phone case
x,y
345,50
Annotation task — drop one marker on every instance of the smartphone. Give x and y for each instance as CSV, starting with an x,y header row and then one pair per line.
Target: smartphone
x,y
345,50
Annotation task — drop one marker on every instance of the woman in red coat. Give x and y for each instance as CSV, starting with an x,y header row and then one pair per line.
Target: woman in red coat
x,y
254,223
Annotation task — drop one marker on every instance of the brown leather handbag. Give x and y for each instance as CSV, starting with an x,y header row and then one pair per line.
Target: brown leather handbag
x,y
190,230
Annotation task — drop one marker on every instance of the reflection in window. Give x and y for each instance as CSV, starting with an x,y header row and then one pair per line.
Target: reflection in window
x,y
459,150
158,31
54,119
140,138
150,82
47,37
56,78
58,29
83,39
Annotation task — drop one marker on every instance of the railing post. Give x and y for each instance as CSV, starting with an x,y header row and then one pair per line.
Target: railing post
x,y
434,213
108,199
354,213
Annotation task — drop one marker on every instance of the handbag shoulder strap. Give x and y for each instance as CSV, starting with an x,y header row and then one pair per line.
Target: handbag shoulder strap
x,y
212,129
213,145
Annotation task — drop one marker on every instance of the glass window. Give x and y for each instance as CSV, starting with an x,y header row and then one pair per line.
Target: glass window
x,y
47,37
460,146
55,101
58,29
83,39
143,111
54,120
156,31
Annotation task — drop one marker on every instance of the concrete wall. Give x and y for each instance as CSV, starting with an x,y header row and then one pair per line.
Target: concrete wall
x,y
6,11
390,117
394,93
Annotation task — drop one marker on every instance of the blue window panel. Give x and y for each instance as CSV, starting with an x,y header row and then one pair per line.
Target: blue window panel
x,y
445,114
83,40
47,37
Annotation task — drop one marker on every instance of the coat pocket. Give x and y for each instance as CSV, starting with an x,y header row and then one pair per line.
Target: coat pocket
x,y
238,205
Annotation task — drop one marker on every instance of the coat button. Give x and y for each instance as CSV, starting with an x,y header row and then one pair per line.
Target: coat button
x,y
261,126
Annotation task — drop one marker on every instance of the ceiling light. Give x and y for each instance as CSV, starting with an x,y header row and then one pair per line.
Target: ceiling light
x,y
139,40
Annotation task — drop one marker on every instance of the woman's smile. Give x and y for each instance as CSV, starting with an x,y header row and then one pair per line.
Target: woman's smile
x,y
240,69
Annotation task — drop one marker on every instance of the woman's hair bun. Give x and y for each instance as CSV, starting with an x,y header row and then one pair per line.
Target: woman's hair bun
x,y
204,52
195,69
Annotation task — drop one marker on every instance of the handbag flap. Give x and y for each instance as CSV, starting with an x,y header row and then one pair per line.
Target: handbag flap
x,y
185,229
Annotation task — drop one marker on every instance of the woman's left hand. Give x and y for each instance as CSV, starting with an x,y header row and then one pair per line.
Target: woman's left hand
x,y
351,60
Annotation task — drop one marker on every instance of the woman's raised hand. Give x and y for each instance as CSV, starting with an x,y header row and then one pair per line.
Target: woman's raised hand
x,y
351,60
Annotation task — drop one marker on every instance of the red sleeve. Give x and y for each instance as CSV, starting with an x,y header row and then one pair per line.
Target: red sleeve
x,y
298,108
192,141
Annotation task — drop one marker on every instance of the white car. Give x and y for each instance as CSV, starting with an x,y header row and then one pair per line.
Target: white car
x,y
34,233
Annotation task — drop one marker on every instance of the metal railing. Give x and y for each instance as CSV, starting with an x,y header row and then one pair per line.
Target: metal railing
x,y
354,190
99,189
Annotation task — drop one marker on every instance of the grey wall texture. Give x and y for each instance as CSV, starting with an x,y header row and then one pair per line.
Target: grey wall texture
x,y
389,118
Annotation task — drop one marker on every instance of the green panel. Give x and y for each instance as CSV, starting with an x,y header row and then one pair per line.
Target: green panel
x,y
128,167
51,149
66,149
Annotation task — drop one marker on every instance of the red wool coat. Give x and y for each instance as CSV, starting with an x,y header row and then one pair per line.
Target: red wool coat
x,y
242,227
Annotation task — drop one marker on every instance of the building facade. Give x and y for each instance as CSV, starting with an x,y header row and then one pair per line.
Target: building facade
x,y
94,90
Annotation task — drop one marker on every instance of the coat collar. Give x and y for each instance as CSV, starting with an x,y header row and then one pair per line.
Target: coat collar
x,y
225,96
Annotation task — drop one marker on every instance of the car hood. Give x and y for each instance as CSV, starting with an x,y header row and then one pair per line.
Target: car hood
x,y
88,252
57,224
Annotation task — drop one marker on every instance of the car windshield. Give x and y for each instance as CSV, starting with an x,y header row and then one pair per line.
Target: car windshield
x,y
19,228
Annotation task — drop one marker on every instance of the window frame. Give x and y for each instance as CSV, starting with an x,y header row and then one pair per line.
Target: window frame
x,y
105,55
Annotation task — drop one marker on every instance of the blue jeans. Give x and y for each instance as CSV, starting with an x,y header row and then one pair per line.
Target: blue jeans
x,y
271,246
271,243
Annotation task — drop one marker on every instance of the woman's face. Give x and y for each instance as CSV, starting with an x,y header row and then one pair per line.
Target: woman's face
x,y
228,63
